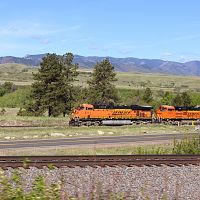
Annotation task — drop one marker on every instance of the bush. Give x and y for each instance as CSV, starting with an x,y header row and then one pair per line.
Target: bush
x,y
2,112
188,145
2,91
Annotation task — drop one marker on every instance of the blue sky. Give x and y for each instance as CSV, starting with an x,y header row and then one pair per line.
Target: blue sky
x,y
154,29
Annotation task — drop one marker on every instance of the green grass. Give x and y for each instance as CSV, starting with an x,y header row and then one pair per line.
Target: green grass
x,y
15,99
46,127
157,81
11,118
91,150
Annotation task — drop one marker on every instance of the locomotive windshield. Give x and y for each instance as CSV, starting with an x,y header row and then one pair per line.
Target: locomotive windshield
x,y
80,108
85,107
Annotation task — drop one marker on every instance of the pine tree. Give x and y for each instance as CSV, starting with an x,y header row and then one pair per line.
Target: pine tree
x,y
45,87
68,90
53,86
101,85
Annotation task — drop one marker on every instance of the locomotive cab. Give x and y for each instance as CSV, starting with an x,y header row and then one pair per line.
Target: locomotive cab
x,y
165,112
81,109
81,112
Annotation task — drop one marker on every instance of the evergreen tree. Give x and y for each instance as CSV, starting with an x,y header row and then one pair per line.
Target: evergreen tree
x,y
53,86
148,95
101,87
68,90
45,89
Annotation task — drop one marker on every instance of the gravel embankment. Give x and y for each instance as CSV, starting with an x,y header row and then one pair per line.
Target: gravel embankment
x,y
141,182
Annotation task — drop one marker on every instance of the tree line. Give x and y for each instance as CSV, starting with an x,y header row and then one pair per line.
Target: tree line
x,y
54,90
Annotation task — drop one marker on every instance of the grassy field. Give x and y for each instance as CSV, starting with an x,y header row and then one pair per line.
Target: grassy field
x,y
22,75
157,81
92,150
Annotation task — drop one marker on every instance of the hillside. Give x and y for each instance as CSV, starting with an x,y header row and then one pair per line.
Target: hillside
x,y
129,64
22,75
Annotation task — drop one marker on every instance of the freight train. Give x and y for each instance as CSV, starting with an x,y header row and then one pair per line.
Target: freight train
x,y
91,114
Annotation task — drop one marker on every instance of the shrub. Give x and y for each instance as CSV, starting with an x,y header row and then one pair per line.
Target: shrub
x,y
188,145
2,112
2,91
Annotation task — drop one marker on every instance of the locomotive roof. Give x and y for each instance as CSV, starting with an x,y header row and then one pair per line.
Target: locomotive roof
x,y
133,107
186,108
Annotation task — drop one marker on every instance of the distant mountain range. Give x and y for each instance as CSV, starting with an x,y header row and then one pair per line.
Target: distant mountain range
x,y
121,64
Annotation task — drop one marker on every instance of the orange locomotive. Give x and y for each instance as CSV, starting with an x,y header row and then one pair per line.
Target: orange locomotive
x,y
177,113
88,114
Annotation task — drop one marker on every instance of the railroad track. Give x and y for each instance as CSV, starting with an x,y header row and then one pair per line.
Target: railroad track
x,y
30,126
100,160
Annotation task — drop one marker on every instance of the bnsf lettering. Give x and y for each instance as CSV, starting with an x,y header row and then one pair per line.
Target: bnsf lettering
x,y
193,115
120,112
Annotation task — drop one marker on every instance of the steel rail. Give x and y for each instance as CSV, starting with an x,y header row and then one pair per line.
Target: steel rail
x,y
98,160
30,126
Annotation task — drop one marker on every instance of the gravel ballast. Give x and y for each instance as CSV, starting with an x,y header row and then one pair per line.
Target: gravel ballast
x,y
140,182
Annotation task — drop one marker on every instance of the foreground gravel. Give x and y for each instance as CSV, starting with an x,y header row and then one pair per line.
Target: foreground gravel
x,y
140,182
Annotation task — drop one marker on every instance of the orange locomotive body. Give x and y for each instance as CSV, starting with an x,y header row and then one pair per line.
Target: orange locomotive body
x,y
88,114
172,113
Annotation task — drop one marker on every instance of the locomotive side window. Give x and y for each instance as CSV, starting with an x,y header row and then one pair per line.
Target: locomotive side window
x,y
89,108
80,108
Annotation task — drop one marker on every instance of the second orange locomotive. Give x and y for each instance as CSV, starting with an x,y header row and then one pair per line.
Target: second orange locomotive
x,y
177,113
